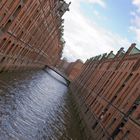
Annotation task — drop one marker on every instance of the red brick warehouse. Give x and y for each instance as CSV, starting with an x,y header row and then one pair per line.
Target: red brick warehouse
x,y
31,33
108,95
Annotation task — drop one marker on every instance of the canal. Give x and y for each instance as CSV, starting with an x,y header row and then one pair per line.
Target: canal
x,y
36,105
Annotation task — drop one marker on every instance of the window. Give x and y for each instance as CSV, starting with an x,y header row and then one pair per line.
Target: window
x,y
24,1
117,130
12,52
94,126
106,117
125,135
129,76
138,117
2,17
11,4
2,42
6,46
17,11
112,122
20,35
10,48
7,25
2,59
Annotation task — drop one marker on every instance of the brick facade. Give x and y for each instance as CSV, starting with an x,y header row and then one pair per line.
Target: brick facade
x,y
74,69
71,69
108,95
30,33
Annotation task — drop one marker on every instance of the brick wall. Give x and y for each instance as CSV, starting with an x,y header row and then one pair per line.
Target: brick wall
x,y
74,69
107,92
30,33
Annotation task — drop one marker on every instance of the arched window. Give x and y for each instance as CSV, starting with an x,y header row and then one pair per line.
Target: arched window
x,y
2,42
24,1
138,117
94,125
10,48
7,25
111,123
17,11
20,35
6,46
125,137
2,59
106,118
1,18
28,24
11,4
13,50
117,130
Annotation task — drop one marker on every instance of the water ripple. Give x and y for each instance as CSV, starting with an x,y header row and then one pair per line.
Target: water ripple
x,y
36,106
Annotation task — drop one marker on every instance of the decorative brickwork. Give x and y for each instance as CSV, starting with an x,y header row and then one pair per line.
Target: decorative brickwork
x,y
30,33
108,95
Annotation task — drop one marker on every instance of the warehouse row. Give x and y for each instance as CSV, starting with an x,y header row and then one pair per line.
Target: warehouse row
x,y
108,95
31,33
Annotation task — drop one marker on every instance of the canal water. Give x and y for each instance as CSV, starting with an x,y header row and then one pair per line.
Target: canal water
x,y
36,105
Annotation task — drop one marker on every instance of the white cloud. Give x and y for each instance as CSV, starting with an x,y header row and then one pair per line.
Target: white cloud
x,y
84,38
136,2
136,19
100,2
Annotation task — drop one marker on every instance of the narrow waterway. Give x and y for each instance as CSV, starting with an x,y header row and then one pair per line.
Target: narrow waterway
x,y
36,106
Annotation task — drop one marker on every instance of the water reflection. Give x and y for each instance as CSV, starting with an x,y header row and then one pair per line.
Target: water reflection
x,y
36,106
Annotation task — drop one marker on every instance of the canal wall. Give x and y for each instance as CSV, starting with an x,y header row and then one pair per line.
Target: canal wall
x,y
31,33
107,95
83,119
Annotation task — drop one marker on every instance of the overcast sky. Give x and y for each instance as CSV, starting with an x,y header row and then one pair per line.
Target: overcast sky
x,y
94,27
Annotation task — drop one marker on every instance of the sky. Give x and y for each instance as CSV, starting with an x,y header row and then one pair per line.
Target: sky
x,y
94,27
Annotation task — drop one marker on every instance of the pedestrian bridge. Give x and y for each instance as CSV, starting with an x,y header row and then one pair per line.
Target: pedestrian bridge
x,y
59,73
